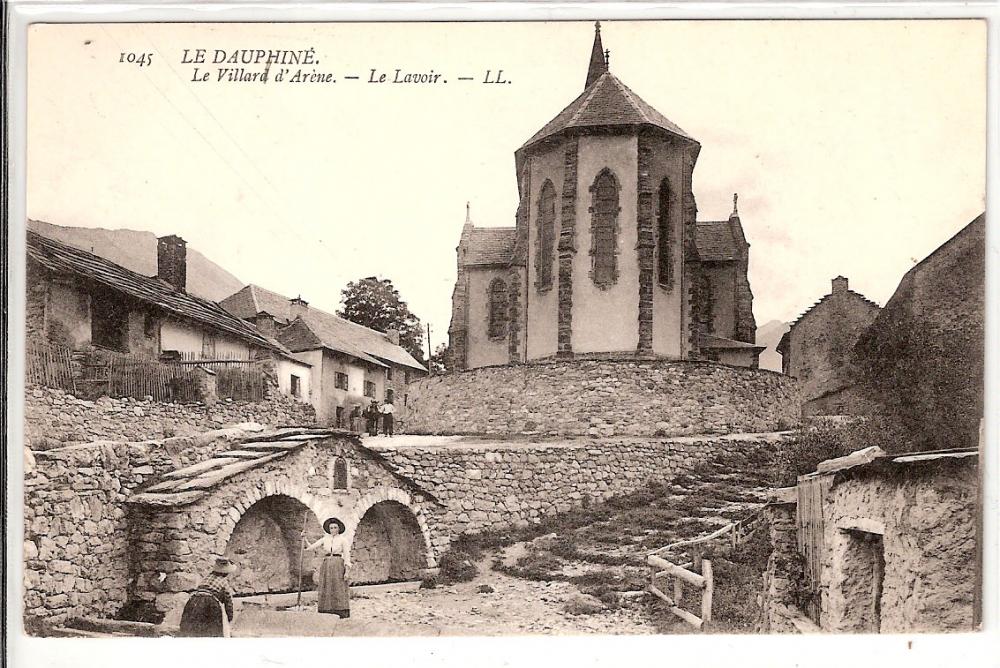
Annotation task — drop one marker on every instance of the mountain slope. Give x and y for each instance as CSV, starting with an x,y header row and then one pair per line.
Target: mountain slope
x,y
769,334
136,250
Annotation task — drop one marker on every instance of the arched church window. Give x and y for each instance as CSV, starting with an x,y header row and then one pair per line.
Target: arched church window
x,y
340,473
546,238
498,309
665,241
604,229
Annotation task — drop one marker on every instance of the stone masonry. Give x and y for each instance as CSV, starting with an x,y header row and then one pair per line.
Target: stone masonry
x,y
604,398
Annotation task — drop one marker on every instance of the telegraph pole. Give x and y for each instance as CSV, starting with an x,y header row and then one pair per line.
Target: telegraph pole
x,y
430,351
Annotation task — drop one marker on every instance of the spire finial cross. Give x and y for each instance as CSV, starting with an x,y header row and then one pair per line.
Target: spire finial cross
x,y
607,57
468,214
597,26
735,198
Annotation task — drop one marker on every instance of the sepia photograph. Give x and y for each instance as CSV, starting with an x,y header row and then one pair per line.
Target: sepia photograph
x,y
554,328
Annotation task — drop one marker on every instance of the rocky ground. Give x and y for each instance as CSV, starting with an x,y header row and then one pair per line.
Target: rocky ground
x,y
582,572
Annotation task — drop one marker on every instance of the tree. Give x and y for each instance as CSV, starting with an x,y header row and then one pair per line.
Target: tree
x,y
438,363
375,303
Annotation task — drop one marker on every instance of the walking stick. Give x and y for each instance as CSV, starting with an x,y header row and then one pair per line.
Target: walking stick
x,y
302,549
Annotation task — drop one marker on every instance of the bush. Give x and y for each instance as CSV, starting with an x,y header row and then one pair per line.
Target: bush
x,y
457,566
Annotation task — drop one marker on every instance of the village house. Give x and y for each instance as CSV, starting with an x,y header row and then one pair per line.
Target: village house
x,y
818,346
606,258
889,543
352,364
83,302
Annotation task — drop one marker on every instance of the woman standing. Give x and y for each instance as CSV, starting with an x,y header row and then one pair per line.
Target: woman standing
x,y
333,594
210,609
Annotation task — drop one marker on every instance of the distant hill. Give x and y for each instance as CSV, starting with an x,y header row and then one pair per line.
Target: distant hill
x,y
768,335
137,251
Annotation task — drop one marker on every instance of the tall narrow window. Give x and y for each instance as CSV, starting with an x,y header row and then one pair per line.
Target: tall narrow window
x,y
665,242
498,309
604,230
546,239
340,473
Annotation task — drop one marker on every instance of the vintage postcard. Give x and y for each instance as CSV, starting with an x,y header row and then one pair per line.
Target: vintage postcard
x,y
503,328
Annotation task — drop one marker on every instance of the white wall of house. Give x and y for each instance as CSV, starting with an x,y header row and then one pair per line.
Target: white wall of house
x,y
189,338
287,368
68,315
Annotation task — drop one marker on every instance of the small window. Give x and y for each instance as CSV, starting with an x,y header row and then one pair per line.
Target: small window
x,y
340,381
370,389
406,399
497,327
388,373
296,385
406,377
340,473
149,326
389,395
109,323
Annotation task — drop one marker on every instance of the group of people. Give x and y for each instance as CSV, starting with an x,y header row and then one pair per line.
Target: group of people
x,y
374,414
209,610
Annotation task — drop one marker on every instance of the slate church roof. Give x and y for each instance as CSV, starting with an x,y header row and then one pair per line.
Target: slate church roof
x,y
64,259
488,246
715,241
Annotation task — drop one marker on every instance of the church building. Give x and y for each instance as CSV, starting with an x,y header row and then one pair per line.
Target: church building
x,y
607,258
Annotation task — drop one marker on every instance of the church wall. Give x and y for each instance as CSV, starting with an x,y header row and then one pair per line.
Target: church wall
x,y
542,307
667,161
606,320
482,350
722,282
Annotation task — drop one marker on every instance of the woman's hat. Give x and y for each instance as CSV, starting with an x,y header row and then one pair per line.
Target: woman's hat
x,y
223,566
334,520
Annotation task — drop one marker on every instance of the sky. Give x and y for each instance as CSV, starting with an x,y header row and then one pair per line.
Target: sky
x,y
856,147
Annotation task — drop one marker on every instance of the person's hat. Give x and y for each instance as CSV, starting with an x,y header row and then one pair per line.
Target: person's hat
x,y
223,566
334,520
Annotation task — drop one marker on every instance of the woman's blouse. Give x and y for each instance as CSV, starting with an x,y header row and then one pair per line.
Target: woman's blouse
x,y
218,586
335,545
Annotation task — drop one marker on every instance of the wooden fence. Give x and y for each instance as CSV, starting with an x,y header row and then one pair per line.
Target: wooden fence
x,y
49,365
106,372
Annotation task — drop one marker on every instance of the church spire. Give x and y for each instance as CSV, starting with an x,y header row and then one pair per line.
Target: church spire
x,y
598,62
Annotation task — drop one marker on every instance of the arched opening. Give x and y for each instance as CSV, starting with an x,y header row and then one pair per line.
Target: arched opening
x,y
604,229
546,238
388,545
265,545
664,232
497,326
340,473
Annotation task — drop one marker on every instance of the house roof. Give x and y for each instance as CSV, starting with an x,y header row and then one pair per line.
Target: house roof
x,y
606,102
64,259
331,331
488,245
300,336
719,342
188,484
715,241
874,459
783,343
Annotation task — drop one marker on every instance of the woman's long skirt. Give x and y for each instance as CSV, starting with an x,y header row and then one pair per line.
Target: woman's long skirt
x,y
333,596
203,616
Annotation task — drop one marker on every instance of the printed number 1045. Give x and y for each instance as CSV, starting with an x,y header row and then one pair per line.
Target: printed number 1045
x,y
140,59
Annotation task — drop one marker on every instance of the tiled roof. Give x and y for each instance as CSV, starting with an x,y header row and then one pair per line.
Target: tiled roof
x,y
333,331
823,299
489,245
186,485
606,102
64,259
715,241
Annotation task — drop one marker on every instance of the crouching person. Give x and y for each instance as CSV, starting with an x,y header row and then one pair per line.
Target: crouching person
x,y
209,611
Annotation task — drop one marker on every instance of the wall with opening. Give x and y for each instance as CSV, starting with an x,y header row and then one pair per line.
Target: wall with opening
x,y
388,545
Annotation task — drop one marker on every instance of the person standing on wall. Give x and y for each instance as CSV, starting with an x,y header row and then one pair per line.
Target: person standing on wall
x,y
371,418
210,609
387,417
356,418
333,596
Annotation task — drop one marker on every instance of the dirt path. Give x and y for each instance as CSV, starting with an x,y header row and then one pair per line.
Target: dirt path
x,y
514,607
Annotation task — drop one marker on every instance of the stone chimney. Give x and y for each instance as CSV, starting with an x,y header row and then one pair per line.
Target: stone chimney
x,y
264,321
171,261
393,336
299,307
839,285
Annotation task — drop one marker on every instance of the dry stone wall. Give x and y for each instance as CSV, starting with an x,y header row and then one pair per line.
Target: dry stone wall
x,y
604,398
54,418
493,486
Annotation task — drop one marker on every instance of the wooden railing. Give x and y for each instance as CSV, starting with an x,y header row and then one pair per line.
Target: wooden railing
x,y
667,579
49,365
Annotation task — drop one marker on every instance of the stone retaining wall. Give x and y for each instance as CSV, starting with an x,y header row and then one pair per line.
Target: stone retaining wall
x,y
604,398
495,485
54,418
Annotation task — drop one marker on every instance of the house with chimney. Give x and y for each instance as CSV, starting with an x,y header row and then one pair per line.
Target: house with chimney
x,y
82,302
351,364
817,349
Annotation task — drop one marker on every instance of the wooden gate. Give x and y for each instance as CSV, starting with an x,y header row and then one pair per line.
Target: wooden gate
x,y
812,493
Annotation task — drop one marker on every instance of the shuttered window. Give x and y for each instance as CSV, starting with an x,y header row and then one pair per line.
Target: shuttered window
x,y
604,229
546,238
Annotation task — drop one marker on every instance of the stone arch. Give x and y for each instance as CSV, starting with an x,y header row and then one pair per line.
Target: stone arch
x,y
389,537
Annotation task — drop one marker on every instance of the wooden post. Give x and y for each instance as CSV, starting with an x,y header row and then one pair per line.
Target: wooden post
x,y
696,558
302,549
706,596
678,591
